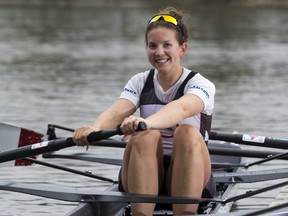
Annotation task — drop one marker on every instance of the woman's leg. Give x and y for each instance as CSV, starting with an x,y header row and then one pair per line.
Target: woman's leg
x,y
142,168
190,167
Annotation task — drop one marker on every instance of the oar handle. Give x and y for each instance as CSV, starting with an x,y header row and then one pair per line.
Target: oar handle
x,y
104,134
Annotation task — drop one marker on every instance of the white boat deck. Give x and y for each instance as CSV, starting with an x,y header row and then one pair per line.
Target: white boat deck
x,y
281,198
266,199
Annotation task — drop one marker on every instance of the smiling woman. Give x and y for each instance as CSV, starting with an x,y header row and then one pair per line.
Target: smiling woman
x,y
178,119
65,64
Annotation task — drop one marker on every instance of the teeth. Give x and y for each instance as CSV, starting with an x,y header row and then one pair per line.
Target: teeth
x,y
161,60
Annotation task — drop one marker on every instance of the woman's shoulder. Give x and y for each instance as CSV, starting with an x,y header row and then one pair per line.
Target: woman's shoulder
x,y
199,82
141,75
139,78
197,77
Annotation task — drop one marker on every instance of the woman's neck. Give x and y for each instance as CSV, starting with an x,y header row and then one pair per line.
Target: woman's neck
x,y
167,80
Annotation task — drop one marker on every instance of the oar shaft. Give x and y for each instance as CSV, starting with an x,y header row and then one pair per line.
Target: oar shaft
x,y
53,145
35,149
253,140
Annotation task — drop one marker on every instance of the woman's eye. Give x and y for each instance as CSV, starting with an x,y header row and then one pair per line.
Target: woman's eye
x,y
167,45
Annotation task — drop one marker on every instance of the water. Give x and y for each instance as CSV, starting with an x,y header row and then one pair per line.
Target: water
x,y
65,64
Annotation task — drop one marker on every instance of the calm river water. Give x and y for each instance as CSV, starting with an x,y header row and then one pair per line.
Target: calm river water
x,y
65,64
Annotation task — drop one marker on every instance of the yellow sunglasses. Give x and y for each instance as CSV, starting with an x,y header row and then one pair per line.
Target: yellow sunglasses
x,y
165,17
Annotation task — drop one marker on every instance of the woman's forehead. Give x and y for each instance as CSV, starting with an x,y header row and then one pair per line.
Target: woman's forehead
x,y
161,33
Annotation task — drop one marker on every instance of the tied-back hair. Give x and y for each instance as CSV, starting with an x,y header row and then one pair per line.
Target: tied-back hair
x,y
181,28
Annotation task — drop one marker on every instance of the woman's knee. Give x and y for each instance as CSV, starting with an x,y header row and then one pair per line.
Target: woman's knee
x,y
146,141
187,138
187,131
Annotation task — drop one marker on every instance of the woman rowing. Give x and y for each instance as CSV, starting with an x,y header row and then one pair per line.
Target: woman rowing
x,y
176,104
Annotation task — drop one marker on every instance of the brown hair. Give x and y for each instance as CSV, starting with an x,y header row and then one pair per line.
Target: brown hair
x,y
180,29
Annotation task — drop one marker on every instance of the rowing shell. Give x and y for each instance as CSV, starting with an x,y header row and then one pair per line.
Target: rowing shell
x,y
227,172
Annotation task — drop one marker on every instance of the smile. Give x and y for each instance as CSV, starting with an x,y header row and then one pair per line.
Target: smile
x,y
162,60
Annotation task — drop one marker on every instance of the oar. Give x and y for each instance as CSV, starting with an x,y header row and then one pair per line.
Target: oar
x,y
7,130
54,145
246,139
12,136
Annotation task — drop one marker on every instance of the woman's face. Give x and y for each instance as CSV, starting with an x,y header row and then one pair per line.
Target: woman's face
x,y
163,50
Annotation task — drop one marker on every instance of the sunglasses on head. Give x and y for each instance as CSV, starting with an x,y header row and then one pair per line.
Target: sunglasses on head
x,y
165,17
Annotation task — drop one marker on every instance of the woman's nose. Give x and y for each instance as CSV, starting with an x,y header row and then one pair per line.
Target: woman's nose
x,y
159,51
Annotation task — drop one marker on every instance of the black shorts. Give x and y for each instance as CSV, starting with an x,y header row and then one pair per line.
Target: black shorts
x,y
208,191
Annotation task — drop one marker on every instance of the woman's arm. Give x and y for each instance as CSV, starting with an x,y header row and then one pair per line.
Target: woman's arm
x,y
175,111
170,115
114,115
109,119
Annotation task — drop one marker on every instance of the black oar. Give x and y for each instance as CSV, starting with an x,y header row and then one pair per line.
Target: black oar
x,y
253,140
245,139
54,145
